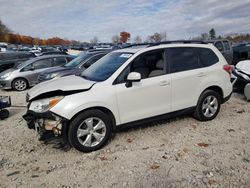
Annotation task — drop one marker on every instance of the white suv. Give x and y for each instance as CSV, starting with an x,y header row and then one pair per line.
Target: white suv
x,y
131,86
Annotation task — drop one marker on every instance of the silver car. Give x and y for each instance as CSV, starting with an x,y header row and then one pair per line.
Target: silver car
x,y
25,74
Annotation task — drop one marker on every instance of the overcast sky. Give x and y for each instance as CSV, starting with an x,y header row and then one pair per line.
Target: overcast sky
x,y
84,19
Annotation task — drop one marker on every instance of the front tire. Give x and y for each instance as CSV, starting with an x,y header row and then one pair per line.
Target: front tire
x,y
90,130
19,84
208,106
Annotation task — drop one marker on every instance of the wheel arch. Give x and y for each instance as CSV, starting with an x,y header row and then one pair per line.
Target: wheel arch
x,y
27,81
217,89
103,109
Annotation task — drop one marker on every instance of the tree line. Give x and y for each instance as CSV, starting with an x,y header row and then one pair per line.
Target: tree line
x,y
211,35
126,36
6,35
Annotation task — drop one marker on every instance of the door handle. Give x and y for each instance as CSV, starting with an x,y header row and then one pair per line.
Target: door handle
x,y
202,74
164,83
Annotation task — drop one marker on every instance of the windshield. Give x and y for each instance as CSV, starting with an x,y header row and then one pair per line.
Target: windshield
x,y
106,66
75,62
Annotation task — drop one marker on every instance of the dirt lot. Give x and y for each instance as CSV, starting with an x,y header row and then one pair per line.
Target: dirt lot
x,y
180,152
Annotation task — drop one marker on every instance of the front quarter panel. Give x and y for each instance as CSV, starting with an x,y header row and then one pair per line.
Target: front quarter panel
x,y
97,96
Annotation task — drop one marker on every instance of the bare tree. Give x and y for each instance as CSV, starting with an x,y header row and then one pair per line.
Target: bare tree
x,y
204,36
115,39
164,36
137,39
156,37
94,40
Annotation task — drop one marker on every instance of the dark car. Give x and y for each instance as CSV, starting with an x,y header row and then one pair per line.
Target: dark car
x,y
242,72
10,59
241,52
225,47
74,67
55,53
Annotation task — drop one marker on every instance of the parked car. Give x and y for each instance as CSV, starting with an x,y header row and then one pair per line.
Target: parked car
x,y
242,73
225,47
3,46
25,74
74,67
241,52
55,53
10,59
128,87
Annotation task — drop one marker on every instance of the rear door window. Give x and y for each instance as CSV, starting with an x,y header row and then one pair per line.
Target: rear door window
x,y
182,59
59,61
207,57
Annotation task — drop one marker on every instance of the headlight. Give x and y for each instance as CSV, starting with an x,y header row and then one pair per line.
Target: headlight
x,y
242,75
6,75
50,76
44,105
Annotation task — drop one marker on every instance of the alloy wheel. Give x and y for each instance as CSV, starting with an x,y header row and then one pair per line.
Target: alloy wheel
x,y
210,106
91,132
20,85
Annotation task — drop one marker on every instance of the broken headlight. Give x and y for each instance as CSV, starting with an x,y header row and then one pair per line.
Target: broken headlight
x,y
44,105
242,75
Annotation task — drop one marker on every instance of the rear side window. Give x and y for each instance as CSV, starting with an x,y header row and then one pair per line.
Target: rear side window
x,y
219,46
58,61
226,45
207,57
43,63
182,59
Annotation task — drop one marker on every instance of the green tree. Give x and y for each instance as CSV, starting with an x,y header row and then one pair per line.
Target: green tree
x,y
212,34
3,28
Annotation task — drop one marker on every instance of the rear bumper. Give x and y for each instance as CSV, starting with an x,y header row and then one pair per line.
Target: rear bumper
x,y
5,84
225,99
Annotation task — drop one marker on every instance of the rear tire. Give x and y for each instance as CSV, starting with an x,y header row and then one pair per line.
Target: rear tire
x,y
4,114
19,84
90,130
208,106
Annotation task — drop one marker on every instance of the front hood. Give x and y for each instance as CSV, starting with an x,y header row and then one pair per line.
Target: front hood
x,y
244,66
7,71
54,70
61,86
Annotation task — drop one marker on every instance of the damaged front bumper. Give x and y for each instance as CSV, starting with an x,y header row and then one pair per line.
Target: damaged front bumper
x,y
48,125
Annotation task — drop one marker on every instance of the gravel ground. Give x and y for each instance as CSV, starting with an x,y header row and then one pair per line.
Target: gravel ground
x,y
180,152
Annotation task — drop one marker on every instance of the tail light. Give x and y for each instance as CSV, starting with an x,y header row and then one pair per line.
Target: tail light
x,y
228,69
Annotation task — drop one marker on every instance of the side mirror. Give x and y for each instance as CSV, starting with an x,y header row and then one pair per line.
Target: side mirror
x,y
133,77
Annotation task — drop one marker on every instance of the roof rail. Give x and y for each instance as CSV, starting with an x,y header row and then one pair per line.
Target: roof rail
x,y
140,44
178,41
